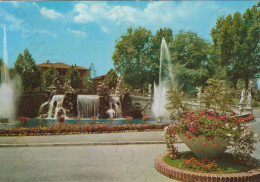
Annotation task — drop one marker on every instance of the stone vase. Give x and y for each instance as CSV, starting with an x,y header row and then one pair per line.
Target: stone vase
x,y
195,145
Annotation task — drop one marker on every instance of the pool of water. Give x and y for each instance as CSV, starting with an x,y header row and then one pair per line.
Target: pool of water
x,y
49,122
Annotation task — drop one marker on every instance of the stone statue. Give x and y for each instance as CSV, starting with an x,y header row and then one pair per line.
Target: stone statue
x,y
199,89
68,88
249,98
149,89
243,93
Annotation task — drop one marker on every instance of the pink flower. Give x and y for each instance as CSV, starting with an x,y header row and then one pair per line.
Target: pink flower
x,y
215,124
189,137
207,127
222,126
209,138
173,132
204,144
214,145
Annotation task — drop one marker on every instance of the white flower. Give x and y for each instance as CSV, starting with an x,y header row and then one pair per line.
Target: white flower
x,y
256,135
234,128
226,125
228,134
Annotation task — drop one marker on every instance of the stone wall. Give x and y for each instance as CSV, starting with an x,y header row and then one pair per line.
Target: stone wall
x,y
29,104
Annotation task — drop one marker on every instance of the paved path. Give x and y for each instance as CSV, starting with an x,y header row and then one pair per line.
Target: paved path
x,y
113,163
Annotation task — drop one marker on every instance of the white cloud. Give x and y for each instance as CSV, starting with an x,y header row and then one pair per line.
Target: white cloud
x,y
15,3
78,33
161,13
104,29
50,13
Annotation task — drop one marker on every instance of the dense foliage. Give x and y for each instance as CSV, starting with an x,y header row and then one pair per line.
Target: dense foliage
x,y
111,79
30,73
89,79
190,56
49,76
73,76
236,45
132,55
232,55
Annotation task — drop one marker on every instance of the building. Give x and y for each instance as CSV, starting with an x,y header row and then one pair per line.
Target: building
x,y
98,81
63,68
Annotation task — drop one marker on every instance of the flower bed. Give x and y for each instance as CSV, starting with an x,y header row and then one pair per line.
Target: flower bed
x,y
78,129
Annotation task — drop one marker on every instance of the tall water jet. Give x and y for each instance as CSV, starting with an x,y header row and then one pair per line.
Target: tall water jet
x,y
7,87
165,83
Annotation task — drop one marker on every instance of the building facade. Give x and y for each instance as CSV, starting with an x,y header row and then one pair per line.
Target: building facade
x,y
63,68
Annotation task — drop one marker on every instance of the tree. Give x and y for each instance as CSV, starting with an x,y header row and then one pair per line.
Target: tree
x,y
88,79
236,45
111,79
30,73
73,76
156,41
189,54
49,76
132,57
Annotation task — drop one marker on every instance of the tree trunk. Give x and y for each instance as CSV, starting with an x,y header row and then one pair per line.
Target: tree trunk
x,y
246,83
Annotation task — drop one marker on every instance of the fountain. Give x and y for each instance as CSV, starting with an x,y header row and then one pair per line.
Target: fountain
x,y
88,106
7,87
55,106
159,97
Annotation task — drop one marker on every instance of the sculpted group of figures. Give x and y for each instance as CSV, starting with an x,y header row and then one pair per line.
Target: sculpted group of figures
x,y
249,97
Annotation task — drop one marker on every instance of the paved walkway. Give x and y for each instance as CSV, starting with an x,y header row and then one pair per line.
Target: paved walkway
x,y
112,163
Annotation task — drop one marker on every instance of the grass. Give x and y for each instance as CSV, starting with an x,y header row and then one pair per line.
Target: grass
x,y
225,164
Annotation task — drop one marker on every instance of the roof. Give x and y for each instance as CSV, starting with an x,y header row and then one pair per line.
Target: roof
x,y
60,65
99,77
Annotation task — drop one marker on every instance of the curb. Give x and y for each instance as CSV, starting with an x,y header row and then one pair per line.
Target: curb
x,y
252,175
80,144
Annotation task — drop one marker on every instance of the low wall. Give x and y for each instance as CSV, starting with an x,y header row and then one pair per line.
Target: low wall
x,y
29,104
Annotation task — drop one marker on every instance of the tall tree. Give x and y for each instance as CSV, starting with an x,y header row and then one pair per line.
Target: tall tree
x,y
30,73
189,54
111,79
236,44
73,76
49,76
131,56
88,79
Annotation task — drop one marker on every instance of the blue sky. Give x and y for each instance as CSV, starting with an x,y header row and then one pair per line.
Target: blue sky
x,y
77,32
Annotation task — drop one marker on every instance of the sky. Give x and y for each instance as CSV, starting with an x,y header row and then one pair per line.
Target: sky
x,y
78,32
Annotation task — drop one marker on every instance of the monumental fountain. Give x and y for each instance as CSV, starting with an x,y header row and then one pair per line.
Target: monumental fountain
x,y
7,87
165,83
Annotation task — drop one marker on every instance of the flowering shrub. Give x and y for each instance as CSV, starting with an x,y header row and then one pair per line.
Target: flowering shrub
x,y
210,124
201,164
23,120
78,128
61,119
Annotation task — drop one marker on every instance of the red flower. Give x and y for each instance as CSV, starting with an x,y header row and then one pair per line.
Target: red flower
x,y
204,144
189,137
207,127
209,138
214,145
